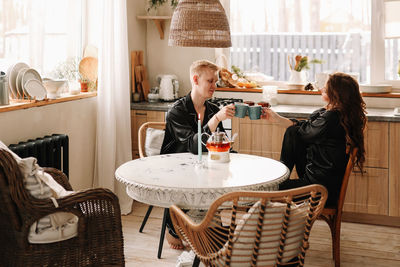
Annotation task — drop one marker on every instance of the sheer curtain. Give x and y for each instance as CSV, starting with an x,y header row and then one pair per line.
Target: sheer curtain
x,y
113,140
43,34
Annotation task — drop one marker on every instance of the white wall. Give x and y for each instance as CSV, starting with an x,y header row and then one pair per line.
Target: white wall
x,y
136,28
76,118
159,57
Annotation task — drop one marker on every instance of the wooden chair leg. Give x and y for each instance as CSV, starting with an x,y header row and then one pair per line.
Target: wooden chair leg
x,y
196,262
150,208
336,244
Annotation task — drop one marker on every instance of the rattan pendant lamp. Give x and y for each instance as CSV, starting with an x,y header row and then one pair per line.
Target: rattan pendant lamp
x,y
201,23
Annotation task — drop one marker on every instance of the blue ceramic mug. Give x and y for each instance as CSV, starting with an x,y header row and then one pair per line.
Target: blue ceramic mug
x,y
255,112
241,110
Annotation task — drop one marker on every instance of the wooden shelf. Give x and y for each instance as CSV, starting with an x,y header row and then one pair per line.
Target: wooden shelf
x,y
23,104
302,92
158,21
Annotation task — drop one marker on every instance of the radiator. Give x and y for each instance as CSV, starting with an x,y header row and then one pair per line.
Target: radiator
x,y
50,151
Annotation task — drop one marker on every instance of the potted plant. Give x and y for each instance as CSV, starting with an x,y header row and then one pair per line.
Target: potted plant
x,y
298,75
155,4
67,70
84,85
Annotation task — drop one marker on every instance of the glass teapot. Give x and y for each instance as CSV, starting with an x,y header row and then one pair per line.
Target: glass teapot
x,y
218,145
218,142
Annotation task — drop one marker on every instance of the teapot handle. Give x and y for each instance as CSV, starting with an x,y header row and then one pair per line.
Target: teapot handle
x,y
208,136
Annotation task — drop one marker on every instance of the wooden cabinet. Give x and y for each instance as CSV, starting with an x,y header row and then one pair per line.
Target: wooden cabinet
x,y
394,169
376,139
258,137
369,192
375,192
138,117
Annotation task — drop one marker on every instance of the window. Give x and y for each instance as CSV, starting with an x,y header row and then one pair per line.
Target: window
x,y
345,34
43,34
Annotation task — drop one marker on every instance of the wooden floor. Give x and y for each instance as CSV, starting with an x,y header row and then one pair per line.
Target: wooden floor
x,y
361,245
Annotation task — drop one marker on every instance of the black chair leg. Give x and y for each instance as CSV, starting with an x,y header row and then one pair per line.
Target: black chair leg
x,y
163,226
196,262
145,218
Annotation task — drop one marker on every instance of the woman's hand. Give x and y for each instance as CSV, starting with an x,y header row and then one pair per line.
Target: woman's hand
x,y
271,116
226,112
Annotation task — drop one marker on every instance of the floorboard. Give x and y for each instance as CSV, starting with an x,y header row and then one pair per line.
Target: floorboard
x,y
362,245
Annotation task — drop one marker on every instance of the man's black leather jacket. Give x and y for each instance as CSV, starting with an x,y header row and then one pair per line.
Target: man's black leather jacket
x,y
181,126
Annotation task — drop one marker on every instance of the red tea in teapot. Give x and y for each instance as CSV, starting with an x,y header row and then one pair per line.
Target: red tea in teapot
x,y
218,146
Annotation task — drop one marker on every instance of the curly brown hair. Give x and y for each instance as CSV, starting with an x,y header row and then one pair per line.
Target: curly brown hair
x,y
344,96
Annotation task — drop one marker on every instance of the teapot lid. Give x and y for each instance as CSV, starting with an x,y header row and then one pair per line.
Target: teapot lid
x,y
218,136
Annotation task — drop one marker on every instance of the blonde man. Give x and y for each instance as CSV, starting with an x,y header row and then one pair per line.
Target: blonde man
x,y
181,129
181,123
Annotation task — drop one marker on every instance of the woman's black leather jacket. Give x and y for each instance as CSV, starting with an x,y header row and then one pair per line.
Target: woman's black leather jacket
x,y
181,126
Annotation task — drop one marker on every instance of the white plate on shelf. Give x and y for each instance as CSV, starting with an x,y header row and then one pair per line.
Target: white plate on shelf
x,y
30,74
375,88
12,74
35,89
294,86
18,82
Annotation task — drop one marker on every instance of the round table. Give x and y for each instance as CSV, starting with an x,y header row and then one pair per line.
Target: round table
x,y
178,179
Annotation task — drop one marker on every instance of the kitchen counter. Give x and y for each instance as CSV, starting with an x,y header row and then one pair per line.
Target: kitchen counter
x,y
292,111
156,106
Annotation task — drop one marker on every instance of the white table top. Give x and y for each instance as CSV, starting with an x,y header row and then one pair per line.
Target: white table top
x,y
176,178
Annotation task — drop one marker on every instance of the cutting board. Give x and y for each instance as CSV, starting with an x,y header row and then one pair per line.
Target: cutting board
x,y
140,82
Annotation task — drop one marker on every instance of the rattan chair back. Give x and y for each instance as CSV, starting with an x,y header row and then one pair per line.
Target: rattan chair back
x,y
254,228
142,135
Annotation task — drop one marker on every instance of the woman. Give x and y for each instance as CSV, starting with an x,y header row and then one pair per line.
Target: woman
x,y
181,133
317,146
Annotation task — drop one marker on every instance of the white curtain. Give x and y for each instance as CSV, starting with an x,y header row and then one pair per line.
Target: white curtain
x,y
43,34
113,140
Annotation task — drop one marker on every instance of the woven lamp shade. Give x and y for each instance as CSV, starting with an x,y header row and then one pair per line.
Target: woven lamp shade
x,y
200,24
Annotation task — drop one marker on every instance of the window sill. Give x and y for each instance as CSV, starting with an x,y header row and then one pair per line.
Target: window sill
x,y
302,92
24,104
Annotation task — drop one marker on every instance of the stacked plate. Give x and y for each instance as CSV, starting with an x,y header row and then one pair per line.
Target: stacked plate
x,y
25,82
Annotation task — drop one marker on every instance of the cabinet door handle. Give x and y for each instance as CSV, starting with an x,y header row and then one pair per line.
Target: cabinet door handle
x,y
139,113
358,171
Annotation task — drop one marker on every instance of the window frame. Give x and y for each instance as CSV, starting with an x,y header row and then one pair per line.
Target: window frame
x,y
377,64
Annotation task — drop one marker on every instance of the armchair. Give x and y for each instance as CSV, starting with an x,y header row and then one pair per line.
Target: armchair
x,y
99,241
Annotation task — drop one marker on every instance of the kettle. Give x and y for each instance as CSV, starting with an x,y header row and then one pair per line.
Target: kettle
x,y
3,89
169,86
218,146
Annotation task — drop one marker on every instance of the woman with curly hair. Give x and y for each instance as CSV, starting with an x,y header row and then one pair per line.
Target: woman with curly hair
x,y
317,146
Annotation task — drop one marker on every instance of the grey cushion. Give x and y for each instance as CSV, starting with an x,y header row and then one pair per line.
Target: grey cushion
x,y
154,140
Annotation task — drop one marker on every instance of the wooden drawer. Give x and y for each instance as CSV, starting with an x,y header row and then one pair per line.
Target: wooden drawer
x,y
368,193
376,144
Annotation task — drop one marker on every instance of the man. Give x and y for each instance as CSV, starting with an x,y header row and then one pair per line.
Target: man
x,y
181,132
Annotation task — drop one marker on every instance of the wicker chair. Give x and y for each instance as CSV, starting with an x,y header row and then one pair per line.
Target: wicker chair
x,y
333,215
99,241
254,228
142,154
